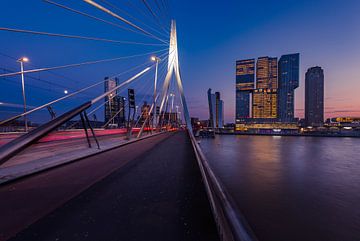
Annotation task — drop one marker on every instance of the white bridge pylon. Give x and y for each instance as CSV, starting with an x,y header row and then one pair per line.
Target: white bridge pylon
x,y
174,69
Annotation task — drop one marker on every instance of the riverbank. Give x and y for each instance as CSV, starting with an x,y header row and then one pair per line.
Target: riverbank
x,y
310,134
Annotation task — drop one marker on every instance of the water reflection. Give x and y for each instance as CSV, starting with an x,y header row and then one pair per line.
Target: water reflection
x,y
292,188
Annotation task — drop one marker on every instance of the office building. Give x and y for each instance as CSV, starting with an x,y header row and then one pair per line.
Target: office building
x,y
245,80
264,104
114,105
314,97
266,73
216,110
288,81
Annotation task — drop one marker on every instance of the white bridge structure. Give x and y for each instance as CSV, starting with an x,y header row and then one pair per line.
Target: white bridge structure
x,y
66,140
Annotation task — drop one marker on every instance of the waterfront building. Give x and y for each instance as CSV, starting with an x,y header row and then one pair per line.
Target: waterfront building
x,y
267,73
216,110
288,81
265,104
114,104
265,96
314,97
245,80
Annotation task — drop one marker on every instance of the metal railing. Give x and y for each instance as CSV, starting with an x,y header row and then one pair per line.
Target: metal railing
x,y
230,223
12,148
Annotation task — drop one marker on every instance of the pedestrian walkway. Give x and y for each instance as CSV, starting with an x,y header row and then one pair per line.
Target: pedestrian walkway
x,y
155,195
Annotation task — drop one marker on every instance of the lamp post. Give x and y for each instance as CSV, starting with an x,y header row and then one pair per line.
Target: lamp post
x,y
172,102
156,60
177,113
22,61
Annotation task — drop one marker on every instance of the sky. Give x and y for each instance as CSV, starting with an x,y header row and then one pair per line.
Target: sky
x,y
212,35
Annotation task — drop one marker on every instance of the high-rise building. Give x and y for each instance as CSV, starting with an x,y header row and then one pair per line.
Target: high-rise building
x,y
314,97
114,104
264,104
245,79
266,73
216,110
288,81
145,112
219,111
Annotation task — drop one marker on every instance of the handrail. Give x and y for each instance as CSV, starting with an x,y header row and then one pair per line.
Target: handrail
x,y
12,148
232,226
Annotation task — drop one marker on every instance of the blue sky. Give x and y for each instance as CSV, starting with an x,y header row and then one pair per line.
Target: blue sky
x,y
212,35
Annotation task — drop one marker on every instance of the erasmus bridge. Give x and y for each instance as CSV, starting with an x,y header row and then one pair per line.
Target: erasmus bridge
x,y
147,180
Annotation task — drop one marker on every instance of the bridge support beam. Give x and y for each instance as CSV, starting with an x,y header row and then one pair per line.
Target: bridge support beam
x,y
174,69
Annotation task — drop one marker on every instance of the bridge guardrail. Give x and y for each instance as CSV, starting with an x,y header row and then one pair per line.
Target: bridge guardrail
x,y
20,143
231,224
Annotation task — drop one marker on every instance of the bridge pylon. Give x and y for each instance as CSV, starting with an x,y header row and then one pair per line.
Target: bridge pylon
x,y
174,70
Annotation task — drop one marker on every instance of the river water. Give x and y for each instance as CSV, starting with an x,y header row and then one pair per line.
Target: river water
x,y
292,188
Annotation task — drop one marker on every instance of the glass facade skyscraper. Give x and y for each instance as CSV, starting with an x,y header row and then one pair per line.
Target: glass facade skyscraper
x,y
265,95
288,81
266,73
314,97
216,110
114,104
265,104
245,78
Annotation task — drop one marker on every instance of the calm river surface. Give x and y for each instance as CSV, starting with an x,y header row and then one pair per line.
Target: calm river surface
x,y
292,188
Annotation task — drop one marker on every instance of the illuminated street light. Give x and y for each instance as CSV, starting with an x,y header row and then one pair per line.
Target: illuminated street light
x,y
22,61
66,92
155,58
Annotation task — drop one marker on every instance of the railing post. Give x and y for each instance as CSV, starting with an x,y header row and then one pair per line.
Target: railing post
x,y
92,130
85,129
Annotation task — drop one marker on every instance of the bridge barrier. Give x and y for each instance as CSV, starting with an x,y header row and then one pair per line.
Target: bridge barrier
x,y
231,225
12,148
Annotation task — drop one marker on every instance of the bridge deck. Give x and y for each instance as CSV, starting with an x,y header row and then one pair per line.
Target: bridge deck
x,y
157,194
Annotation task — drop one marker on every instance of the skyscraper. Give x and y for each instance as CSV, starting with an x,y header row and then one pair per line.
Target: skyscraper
x,y
265,104
288,82
114,104
216,110
267,73
265,95
314,96
219,111
245,78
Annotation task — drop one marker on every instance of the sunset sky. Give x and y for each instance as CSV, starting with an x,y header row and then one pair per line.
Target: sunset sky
x,y
212,36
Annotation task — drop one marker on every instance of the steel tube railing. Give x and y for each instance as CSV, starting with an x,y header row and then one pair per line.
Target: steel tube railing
x,y
232,226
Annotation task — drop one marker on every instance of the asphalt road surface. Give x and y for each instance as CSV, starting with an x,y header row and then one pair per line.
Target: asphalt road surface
x,y
149,190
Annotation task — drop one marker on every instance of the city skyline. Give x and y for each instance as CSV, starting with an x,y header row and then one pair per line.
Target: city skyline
x,y
271,97
297,27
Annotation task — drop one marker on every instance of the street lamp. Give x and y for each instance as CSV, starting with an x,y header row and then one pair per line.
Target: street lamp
x,y
177,113
22,61
66,92
157,60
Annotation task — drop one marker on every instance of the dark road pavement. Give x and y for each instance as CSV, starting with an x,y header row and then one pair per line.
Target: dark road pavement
x,y
149,190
